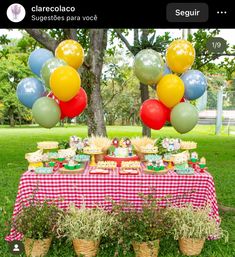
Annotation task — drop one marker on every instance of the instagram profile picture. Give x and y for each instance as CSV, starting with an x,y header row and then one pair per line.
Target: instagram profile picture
x,y
16,12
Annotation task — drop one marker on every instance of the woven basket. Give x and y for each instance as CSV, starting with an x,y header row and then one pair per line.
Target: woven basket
x,y
37,248
190,246
147,249
87,248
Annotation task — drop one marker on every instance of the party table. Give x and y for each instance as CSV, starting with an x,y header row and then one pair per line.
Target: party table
x,y
94,189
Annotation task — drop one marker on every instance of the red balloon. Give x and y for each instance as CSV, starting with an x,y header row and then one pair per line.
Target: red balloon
x,y
75,106
168,114
62,116
182,100
154,114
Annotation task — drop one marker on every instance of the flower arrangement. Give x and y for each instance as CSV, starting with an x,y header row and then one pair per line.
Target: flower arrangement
x,y
168,145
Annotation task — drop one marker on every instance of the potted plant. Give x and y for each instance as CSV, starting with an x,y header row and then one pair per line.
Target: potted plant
x,y
192,226
85,227
36,222
142,228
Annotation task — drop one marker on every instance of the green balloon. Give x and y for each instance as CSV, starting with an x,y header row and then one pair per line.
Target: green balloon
x,y
48,67
46,112
184,117
148,66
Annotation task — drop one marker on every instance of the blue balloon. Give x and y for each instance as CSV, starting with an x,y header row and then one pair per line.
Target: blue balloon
x,y
195,84
29,90
166,70
37,58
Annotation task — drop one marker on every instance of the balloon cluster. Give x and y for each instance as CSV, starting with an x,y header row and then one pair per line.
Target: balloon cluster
x,y
176,84
59,74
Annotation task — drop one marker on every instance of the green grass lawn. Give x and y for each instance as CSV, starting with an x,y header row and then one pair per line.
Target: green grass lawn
x,y
218,150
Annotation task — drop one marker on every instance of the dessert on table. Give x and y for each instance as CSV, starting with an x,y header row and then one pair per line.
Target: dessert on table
x,y
149,149
155,166
152,157
181,166
106,165
82,158
92,150
194,157
66,154
48,146
35,159
157,156
121,150
130,168
43,170
188,145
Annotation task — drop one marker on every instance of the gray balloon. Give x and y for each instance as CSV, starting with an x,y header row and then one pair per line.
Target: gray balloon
x,y
46,112
184,117
148,66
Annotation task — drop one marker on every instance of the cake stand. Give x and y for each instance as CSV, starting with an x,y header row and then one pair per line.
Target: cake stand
x,y
92,154
119,160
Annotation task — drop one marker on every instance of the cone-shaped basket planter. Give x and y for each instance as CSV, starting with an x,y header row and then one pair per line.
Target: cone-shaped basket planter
x,y
146,249
87,248
37,248
191,246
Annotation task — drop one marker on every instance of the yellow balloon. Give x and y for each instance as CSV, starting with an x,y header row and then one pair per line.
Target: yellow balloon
x,y
65,83
170,90
71,52
180,55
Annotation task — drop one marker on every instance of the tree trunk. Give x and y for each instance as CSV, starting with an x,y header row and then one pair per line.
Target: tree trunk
x,y
144,94
144,90
98,42
90,72
11,117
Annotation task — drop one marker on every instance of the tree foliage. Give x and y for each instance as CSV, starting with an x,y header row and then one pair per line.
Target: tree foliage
x,y
13,68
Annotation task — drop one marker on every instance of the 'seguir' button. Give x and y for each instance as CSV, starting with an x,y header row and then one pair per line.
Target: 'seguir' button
x,y
187,12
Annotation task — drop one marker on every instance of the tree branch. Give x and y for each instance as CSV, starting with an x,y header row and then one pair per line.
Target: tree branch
x,y
124,40
136,37
43,38
71,34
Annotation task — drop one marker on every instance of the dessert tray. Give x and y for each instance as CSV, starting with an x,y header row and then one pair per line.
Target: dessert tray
x,y
130,168
106,165
72,168
99,171
187,171
155,172
44,170
73,171
129,171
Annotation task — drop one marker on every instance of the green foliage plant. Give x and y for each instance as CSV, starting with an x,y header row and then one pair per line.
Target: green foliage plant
x,y
139,225
194,223
84,223
37,219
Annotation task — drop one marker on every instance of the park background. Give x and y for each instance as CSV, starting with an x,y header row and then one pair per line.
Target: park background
x,y
114,98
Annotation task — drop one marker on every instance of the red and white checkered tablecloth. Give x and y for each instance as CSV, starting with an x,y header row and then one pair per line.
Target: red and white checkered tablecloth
x,y
197,189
